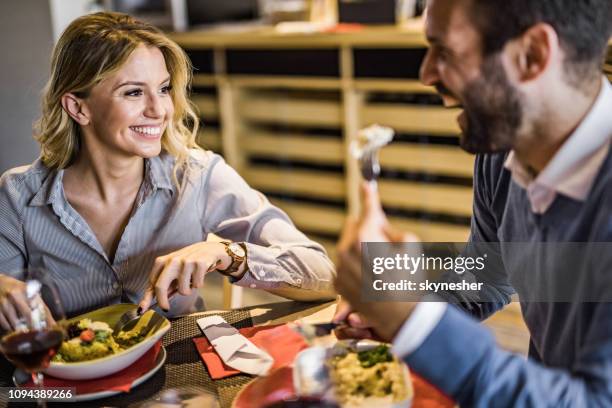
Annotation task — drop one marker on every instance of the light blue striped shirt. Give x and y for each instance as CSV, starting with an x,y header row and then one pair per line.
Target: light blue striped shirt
x,y
39,228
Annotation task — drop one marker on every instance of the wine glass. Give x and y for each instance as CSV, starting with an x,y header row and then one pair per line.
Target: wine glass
x,y
39,333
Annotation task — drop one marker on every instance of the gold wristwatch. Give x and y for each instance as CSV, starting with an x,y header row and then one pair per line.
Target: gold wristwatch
x,y
237,252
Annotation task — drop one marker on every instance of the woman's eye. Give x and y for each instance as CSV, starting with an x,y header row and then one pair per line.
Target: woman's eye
x,y
134,92
166,89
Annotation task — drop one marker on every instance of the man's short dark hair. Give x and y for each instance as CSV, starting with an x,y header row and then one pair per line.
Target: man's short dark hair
x,y
583,26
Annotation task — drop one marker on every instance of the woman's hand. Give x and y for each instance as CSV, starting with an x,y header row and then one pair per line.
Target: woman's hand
x,y
187,267
13,303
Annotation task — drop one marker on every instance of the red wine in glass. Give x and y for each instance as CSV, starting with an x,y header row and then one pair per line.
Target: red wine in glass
x,y
31,350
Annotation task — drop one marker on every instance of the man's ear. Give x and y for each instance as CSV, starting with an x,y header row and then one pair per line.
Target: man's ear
x,y
534,51
76,108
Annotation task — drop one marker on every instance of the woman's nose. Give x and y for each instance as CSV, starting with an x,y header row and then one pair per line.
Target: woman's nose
x,y
154,108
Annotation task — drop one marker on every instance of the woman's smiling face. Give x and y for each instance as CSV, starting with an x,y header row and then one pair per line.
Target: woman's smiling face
x,y
130,110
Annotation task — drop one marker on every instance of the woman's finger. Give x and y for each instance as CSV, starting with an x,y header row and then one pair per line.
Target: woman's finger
x,y
202,268
185,277
165,279
146,300
6,327
18,299
10,313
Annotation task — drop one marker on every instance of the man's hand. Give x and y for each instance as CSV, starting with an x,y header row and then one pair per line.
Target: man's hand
x,y
385,318
184,268
355,326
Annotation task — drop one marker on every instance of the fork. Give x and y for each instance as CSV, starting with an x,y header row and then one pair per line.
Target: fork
x,y
129,319
372,139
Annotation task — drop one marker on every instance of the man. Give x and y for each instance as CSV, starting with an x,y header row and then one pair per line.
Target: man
x,y
538,112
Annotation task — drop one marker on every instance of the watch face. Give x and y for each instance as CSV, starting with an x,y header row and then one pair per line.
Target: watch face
x,y
237,249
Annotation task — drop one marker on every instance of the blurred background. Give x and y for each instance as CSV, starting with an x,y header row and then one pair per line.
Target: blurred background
x,y
283,87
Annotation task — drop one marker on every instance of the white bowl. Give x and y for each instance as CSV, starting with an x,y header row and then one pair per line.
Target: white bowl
x,y
101,367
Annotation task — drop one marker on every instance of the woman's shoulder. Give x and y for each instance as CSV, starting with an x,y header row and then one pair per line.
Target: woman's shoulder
x,y
21,183
203,158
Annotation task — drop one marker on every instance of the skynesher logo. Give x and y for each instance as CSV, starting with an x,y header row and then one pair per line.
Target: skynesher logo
x,y
411,264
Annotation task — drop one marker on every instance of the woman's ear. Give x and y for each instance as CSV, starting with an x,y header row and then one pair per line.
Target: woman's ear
x,y
76,108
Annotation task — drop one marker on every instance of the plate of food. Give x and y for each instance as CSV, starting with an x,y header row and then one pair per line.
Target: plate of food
x,y
348,374
87,390
93,350
358,373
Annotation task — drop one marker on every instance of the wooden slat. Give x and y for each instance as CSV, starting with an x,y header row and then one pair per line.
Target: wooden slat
x,y
209,139
296,147
432,231
291,111
437,198
413,118
203,80
392,85
313,218
259,81
207,105
387,36
445,160
317,184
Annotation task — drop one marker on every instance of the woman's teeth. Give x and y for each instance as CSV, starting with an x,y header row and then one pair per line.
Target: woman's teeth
x,y
152,131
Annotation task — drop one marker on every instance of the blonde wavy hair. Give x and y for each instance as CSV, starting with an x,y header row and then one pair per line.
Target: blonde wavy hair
x,y
92,48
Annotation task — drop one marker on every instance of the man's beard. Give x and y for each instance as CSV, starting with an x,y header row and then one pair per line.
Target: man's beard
x,y
493,110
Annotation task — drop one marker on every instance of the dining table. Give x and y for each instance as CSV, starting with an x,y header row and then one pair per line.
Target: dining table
x,y
184,369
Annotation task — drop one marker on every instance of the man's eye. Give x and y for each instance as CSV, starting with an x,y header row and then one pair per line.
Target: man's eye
x,y
444,54
166,89
134,92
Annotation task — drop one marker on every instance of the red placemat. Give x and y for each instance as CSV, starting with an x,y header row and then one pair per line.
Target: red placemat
x,y
120,381
279,341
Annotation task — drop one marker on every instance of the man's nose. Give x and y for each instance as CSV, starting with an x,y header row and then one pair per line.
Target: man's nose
x,y
429,72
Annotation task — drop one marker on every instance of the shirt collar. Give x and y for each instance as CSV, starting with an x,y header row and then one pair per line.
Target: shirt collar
x,y
573,169
157,174
51,186
51,189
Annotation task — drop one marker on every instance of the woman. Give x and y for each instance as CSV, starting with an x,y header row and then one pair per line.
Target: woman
x,y
120,203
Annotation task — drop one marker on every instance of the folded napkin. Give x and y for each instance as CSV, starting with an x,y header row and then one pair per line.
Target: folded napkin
x,y
120,381
279,342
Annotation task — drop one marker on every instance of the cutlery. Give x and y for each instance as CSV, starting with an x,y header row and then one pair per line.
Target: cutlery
x,y
311,331
129,319
365,149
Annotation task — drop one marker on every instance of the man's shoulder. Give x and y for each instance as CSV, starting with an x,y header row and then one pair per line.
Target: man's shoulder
x,y
491,178
490,165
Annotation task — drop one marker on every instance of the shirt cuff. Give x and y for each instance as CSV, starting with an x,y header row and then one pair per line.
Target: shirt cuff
x,y
417,327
